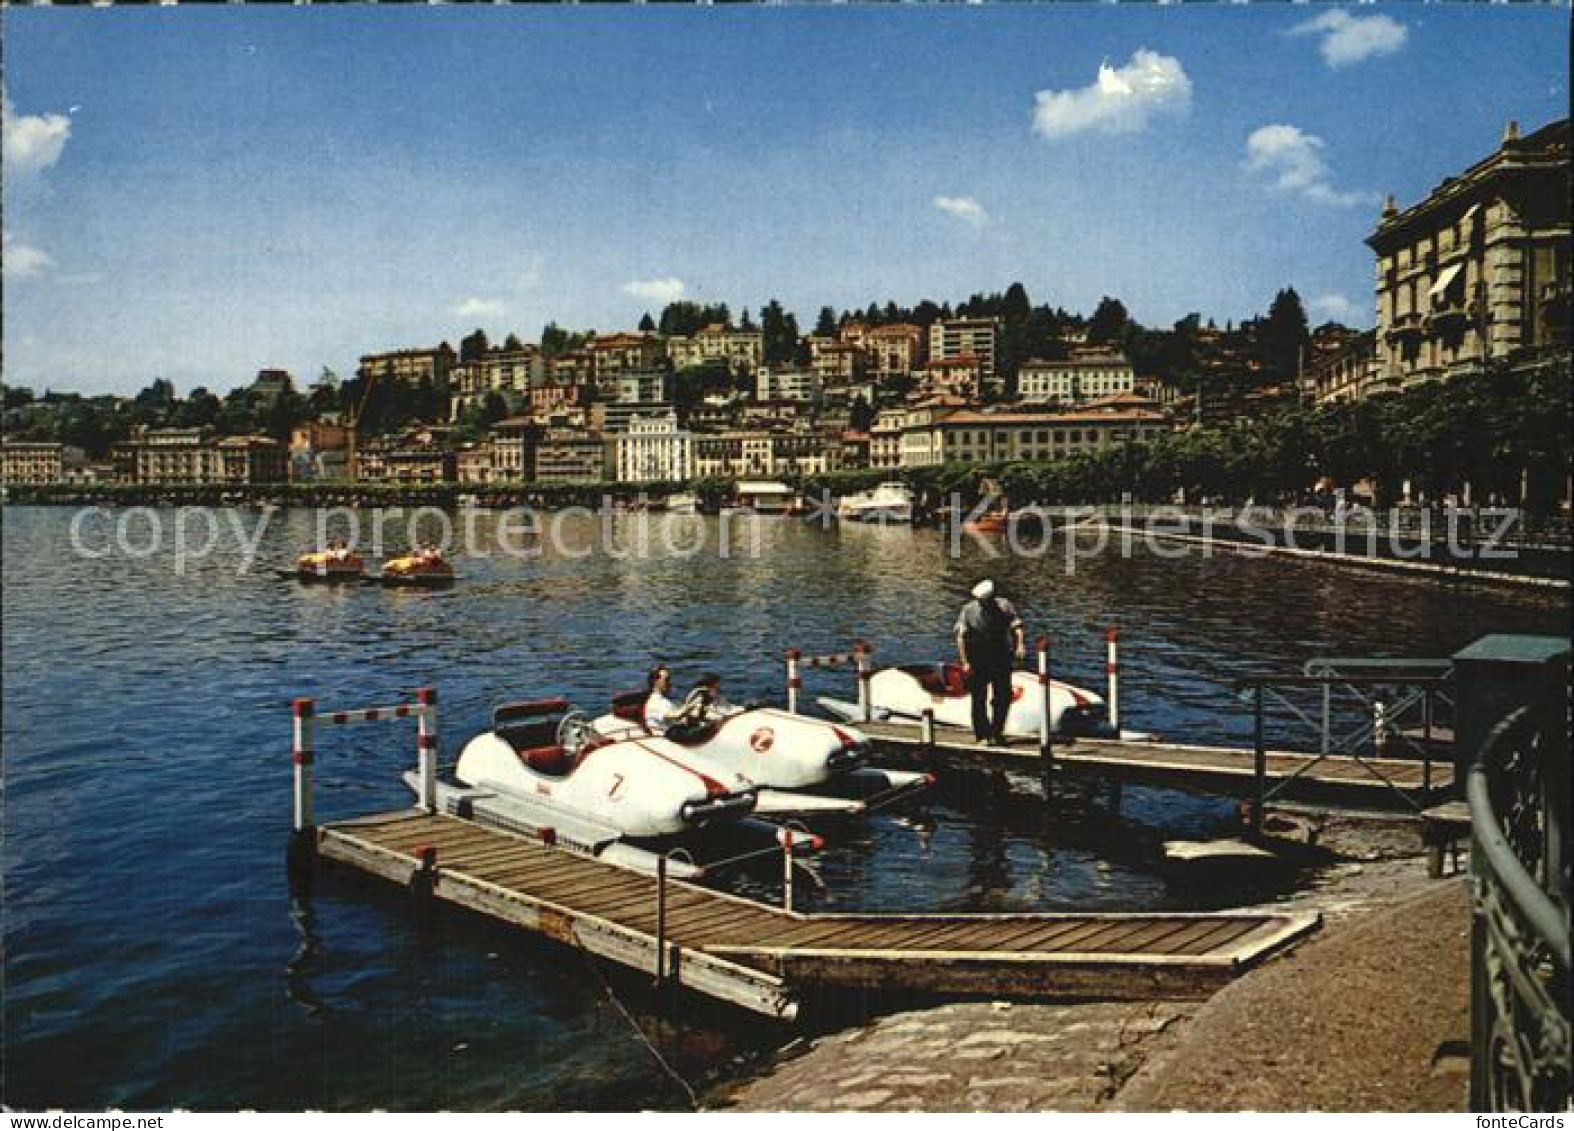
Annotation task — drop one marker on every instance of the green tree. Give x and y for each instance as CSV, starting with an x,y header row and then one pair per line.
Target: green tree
x,y
1108,324
825,325
1283,339
474,345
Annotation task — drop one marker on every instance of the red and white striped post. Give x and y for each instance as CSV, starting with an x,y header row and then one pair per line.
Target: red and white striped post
x,y
1046,721
426,747
865,699
301,755
794,680
1112,671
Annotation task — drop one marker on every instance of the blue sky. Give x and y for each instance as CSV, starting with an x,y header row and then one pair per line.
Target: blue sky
x,y
199,193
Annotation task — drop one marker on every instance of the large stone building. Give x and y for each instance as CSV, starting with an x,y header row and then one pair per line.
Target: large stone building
x,y
971,436
653,449
766,453
192,457
1477,274
1085,376
36,464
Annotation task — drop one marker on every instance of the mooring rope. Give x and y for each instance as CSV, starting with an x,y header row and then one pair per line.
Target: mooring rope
x,y
661,1061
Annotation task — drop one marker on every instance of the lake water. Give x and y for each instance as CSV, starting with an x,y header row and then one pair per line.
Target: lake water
x,y
155,957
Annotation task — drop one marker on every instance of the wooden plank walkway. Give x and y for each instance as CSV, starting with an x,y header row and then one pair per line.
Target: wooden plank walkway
x,y
766,959
1228,770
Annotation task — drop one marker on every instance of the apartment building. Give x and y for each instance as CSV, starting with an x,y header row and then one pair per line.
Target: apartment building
x,y
787,385
834,362
742,350
567,456
515,372
967,337
409,365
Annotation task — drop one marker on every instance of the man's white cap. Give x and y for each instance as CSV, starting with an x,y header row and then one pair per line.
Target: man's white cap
x,y
984,589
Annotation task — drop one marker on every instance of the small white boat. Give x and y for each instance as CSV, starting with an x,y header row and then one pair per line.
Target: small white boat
x,y
684,502
902,695
543,769
801,765
889,502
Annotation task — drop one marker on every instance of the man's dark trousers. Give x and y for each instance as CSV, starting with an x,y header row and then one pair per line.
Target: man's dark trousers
x,y
991,681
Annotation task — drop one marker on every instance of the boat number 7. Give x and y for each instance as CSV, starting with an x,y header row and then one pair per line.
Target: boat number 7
x,y
617,784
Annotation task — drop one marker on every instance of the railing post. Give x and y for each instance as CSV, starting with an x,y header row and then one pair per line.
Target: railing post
x,y
1426,741
1380,727
1112,670
1328,713
787,840
426,747
661,920
865,699
794,680
1046,700
302,757
1259,759
926,723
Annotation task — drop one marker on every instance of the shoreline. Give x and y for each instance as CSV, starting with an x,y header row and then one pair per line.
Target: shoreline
x,y
1240,1048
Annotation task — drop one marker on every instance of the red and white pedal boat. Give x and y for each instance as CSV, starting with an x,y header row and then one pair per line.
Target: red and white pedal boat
x,y
902,694
801,765
543,770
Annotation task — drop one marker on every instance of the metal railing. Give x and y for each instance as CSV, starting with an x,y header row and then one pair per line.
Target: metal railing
x,y
1366,709
1519,862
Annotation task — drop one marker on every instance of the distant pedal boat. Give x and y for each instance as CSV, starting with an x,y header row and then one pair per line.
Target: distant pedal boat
x,y
326,565
417,571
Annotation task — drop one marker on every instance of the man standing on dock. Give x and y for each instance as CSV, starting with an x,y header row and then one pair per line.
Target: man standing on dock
x,y
988,634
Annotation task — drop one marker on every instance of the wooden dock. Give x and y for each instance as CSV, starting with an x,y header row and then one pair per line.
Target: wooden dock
x,y
1333,779
769,960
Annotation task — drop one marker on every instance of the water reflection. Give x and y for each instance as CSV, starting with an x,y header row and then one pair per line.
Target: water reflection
x,y
146,735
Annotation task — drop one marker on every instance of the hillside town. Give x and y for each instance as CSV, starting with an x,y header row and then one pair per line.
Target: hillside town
x,y
1474,280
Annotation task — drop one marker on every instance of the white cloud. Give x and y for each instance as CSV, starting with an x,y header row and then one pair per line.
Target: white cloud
x,y
1294,159
21,260
1336,307
1349,39
663,291
475,307
964,208
1121,100
31,142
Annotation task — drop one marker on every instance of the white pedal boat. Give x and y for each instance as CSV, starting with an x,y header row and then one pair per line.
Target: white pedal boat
x,y
800,765
902,694
542,770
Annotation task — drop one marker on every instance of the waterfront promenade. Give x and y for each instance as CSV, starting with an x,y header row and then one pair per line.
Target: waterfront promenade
x,y
1370,1015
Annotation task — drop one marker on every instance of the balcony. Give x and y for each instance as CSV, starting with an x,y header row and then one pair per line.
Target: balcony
x,y
1449,316
1555,300
1406,328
